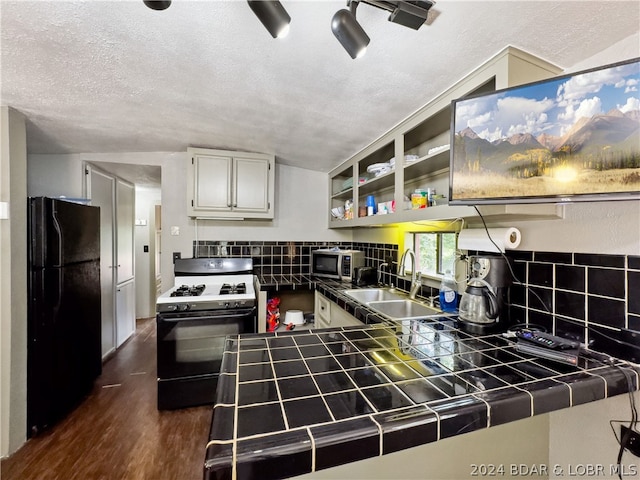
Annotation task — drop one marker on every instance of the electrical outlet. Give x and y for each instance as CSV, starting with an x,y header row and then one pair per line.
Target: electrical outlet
x,y
176,256
633,444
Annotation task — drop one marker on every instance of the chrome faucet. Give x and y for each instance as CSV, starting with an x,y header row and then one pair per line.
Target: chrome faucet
x,y
416,283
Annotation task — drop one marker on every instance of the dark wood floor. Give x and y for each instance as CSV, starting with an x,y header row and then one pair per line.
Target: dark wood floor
x,y
117,432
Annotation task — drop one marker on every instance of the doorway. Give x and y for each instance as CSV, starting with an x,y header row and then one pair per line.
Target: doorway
x,y
129,196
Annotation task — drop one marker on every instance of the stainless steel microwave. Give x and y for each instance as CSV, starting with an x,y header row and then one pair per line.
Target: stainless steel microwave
x,y
336,264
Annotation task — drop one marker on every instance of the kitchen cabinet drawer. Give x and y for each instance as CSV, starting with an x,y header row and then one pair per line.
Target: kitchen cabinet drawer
x,y
230,185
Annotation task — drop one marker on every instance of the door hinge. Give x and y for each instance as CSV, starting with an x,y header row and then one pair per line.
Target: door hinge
x,y
86,171
193,161
192,203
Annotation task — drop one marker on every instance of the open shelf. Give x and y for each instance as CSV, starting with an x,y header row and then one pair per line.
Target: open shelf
x,y
426,133
427,165
381,182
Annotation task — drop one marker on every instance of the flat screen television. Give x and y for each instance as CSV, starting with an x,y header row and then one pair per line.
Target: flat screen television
x,y
570,138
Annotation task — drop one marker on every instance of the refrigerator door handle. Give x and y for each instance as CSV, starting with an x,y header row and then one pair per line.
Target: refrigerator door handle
x,y
56,306
56,225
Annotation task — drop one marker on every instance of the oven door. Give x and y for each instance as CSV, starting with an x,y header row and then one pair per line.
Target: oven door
x,y
191,344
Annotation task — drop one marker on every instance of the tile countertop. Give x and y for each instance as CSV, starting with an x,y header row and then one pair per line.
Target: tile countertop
x,y
295,402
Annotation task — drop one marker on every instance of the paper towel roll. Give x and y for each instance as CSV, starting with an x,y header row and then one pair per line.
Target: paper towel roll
x,y
477,239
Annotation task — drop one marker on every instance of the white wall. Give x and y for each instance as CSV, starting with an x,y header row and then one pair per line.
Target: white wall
x,y
582,435
146,200
518,443
55,176
13,282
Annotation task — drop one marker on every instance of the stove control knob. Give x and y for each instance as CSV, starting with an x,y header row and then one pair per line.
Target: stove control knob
x,y
237,304
227,304
182,307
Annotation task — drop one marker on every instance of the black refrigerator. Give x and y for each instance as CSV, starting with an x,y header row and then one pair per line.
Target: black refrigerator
x,y
64,313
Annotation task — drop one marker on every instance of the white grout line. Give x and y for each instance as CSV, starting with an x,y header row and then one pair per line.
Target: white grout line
x,y
234,445
275,381
313,449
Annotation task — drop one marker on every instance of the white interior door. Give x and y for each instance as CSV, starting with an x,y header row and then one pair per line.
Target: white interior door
x,y
101,190
125,259
125,213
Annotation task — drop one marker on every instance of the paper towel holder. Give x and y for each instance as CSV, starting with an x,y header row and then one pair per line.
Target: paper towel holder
x,y
492,240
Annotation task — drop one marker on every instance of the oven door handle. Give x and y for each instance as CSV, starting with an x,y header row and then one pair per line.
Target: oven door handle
x,y
247,313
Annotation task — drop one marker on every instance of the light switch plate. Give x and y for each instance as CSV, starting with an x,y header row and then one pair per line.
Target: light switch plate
x,y
175,230
4,210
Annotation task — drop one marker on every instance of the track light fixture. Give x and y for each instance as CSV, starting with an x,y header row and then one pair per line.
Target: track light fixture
x,y
410,13
272,15
348,31
157,4
345,27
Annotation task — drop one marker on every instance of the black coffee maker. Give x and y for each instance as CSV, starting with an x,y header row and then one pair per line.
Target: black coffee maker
x,y
484,304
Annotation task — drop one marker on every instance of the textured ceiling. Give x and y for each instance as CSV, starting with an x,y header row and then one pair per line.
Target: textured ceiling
x,y
115,76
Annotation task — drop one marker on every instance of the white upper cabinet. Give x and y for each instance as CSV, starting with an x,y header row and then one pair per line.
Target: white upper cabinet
x,y
229,185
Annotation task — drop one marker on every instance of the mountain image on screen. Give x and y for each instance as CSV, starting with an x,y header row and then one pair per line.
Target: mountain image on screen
x,y
552,138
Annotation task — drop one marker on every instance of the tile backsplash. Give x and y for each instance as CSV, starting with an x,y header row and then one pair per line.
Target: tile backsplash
x,y
592,297
288,258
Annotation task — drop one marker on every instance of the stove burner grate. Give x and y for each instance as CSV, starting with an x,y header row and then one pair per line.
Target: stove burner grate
x,y
188,291
227,288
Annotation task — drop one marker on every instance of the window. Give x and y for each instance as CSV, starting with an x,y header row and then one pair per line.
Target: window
x,y
435,252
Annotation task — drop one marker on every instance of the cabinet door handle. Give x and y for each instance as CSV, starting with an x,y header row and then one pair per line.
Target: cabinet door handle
x,y
230,185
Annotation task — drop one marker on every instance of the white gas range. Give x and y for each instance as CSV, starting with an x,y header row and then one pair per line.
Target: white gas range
x,y
203,284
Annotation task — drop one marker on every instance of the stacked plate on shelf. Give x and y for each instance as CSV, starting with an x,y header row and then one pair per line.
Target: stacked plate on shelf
x,y
378,169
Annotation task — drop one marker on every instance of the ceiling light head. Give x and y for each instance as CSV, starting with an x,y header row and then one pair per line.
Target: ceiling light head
x,y
349,33
272,15
157,4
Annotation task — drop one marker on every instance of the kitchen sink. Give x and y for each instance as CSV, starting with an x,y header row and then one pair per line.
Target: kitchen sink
x,y
368,295
403,309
